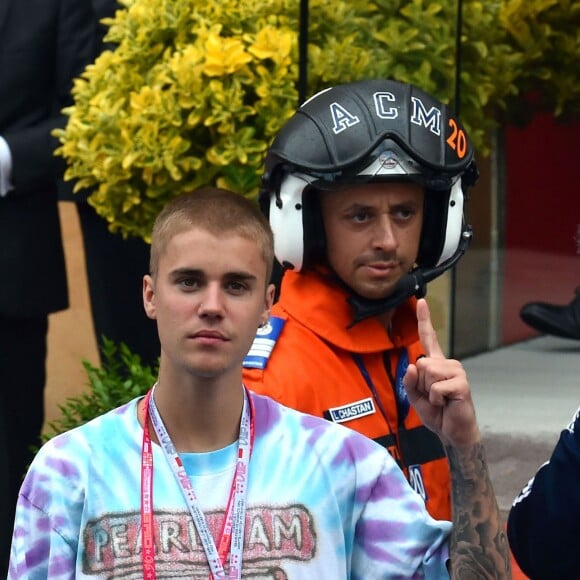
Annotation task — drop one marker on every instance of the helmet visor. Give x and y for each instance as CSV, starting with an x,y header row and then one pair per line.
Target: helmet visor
x,y
386,163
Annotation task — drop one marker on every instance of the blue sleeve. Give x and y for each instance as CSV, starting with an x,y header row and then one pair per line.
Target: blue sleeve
x,y
544,521
47,526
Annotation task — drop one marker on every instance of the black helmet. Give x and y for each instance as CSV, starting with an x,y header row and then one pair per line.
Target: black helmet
x,y
368,131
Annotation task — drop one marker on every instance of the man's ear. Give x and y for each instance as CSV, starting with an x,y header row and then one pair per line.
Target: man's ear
x,y
268,303
149,296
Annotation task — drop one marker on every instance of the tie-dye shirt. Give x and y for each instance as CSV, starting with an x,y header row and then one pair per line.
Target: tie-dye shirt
x,y
323,502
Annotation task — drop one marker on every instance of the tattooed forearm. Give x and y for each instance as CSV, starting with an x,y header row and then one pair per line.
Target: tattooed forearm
x,y
479,546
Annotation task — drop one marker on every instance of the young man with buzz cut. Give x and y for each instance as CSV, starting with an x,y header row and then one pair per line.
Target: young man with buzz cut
x,y
203,478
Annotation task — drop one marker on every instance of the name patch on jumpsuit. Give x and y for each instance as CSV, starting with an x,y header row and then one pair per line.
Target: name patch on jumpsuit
x,y
351,411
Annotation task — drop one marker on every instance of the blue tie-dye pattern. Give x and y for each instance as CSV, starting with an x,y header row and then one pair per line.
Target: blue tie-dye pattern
x,y
362,517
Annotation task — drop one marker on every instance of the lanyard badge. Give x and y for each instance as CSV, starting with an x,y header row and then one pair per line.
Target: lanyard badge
x,y
232,535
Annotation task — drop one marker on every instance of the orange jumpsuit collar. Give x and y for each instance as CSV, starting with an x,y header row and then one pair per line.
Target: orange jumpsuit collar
x,y
320,303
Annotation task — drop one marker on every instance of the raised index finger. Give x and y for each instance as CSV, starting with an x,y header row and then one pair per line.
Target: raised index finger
x,y
427,333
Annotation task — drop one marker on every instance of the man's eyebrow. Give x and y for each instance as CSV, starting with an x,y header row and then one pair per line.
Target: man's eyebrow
x,y
240,275
357,206
187,272
198,273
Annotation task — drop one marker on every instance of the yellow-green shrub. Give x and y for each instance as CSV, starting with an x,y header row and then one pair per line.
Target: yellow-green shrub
x,y
195,91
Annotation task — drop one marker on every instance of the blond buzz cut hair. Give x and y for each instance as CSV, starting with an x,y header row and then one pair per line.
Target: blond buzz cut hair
x,y
217,211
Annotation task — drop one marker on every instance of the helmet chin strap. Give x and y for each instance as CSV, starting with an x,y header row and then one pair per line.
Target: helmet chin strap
x,y
412,284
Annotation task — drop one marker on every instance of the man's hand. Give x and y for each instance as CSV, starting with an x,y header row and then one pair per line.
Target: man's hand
x,y
437,388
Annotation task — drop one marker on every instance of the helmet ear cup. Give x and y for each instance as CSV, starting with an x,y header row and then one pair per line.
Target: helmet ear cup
x,y
293,210
286,215
443,224
454,223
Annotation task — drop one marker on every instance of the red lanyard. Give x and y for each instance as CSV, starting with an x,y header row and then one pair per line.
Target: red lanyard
x,y
232,534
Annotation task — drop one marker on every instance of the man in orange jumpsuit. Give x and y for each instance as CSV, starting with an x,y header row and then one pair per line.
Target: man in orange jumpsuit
x,y
364,190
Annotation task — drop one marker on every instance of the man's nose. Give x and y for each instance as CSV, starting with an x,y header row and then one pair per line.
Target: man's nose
x,y
384,234
212,303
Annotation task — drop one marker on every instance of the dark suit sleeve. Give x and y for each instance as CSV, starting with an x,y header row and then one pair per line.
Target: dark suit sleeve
x,y
32,146
544,522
